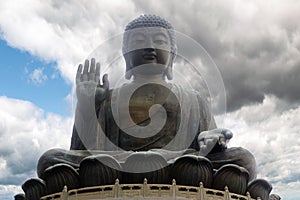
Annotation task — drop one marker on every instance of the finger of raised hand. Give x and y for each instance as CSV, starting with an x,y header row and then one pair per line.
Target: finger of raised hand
x,y
85,71
97,75
78,74
92,70
105,81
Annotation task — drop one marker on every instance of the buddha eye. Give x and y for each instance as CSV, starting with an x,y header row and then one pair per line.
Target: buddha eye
x,y
160,42
160,39
139,41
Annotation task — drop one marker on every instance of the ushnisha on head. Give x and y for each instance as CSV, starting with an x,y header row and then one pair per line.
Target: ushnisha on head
x,y
149,40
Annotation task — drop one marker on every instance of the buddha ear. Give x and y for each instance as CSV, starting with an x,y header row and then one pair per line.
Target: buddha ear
x,y
169,70
128,72
169,73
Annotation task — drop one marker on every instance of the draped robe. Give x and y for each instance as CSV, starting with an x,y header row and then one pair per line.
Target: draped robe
x,y
187,114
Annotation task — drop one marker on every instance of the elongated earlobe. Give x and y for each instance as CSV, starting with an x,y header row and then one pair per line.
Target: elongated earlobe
x,y
128,72
169,70
169,73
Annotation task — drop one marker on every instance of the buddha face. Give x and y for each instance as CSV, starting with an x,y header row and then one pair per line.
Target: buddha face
x,y
149,51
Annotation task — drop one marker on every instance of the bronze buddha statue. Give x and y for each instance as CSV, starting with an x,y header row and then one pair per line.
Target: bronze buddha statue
x,y
149,114
149,49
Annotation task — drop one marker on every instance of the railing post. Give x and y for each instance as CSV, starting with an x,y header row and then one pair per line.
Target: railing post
x,y
227,195
174,188
248,196
117,188
145,187
65,194
201,191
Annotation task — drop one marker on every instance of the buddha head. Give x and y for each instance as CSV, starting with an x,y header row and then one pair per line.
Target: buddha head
x,y
149,47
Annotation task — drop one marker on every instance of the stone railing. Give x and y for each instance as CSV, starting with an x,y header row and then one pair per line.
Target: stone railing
x,y
145,191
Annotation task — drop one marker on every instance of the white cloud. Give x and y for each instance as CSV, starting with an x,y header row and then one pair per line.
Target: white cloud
x,y
8,191
37,76
272,135
63,32
26,132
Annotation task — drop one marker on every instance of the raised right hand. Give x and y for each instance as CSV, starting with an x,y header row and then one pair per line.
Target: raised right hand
x,y
88,84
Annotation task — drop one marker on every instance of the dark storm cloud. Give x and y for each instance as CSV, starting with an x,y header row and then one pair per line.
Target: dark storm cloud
x,y
255,45
285,84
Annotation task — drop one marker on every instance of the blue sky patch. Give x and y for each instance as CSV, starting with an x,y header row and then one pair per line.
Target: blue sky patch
x,y
26,77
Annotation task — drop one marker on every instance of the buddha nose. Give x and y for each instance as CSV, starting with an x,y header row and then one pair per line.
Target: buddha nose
x,y
149,49
150,45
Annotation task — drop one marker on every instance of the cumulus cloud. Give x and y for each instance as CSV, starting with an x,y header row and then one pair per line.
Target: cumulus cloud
x,y
272,135
63,32
37,76
8,191
26,132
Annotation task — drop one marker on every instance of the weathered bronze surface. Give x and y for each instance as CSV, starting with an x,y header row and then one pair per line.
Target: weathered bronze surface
x,y
60,175
233,176
34,188
191,170
20,196
99,170
260,188
149,165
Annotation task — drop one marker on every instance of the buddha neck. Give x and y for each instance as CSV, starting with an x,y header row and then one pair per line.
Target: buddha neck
x,y
159,79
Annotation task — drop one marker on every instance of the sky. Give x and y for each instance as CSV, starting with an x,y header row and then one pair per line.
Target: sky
x,y
254,44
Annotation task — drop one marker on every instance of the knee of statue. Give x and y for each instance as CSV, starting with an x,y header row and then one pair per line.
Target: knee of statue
x,y
248,162
49,158
244,158
235,155
213,145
